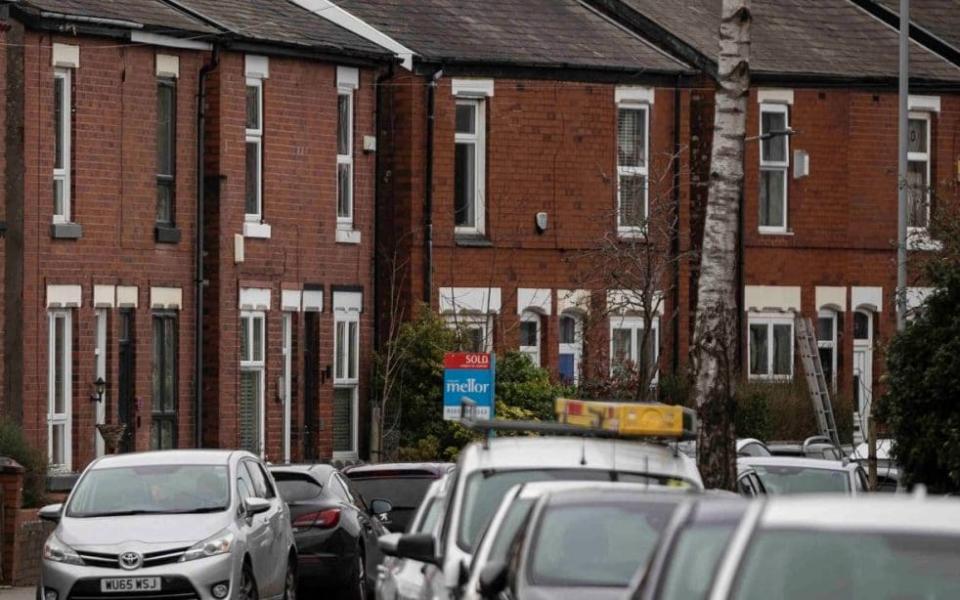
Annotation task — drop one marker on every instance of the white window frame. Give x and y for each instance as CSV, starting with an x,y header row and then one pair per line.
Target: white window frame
x,y
576,347
783,166
769,320
346,221
286,384
100,371
533,352
827,313
64,175
636,325
344,379
63,419
247,317
482,322
255,136
634,171
478,139
924,157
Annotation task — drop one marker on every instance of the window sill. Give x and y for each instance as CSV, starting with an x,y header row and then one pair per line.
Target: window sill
x,y
66,231
631,233
256,230
771,378
472,240
774,232
348,236
165,234
919,239
345,456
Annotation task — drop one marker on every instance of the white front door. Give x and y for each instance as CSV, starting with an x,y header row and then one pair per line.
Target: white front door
x,y
100,356
286,387
862,371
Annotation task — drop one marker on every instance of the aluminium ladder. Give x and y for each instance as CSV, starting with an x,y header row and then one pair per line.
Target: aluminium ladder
x,y
816,381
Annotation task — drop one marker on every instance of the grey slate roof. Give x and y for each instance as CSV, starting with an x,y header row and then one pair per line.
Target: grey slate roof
x,y
532,33
939,17
284,22
831,38
153,14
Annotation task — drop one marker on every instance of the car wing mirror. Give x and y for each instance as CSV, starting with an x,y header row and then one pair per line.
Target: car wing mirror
x,y
380,507
51,513
421,547
256,506
493,579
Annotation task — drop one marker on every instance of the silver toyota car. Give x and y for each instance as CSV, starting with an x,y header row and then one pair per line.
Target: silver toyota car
x,y
185,525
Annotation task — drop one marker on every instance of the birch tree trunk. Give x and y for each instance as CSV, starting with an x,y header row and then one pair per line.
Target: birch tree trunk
x,y
715,351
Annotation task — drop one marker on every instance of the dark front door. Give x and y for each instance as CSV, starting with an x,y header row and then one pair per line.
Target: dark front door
x,y
311,384
127,402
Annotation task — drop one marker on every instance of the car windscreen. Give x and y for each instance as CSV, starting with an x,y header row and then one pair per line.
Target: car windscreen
x,y
595,544
404,493
802,480
151,489
486,489
799,565
297,487
693,562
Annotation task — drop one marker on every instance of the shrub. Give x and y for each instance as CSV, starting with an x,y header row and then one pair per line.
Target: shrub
x,y
14,445
775,411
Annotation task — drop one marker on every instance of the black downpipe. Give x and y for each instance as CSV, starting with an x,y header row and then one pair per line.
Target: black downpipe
x,y
200,281
675,233
428,192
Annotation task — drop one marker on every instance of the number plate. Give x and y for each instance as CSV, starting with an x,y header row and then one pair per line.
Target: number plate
x,y
130,584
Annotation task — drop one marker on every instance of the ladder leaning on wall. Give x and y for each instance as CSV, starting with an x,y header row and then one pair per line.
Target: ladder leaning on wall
x,y
816,381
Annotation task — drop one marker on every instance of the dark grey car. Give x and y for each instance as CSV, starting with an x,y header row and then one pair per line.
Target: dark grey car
x,y
335,528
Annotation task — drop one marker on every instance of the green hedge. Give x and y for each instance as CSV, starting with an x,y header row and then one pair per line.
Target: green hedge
x,y
14,444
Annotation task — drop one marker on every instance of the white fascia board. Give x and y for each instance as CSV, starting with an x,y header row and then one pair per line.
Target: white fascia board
x,y
142,37
333,13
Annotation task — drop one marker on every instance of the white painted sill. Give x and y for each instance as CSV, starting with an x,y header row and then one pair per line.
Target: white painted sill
x,y
774,231
631,233
348,236
919,239
256,230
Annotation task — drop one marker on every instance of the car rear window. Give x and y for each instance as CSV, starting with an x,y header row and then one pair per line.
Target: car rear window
x,y
296,487
599,545
802,480
401,491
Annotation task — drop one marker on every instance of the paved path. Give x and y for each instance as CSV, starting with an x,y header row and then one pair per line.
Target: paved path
x,y
18,593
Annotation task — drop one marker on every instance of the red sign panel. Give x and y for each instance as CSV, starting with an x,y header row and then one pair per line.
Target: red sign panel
x,y
466,360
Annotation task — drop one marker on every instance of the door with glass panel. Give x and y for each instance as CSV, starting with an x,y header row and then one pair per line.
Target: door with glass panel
x,y
862,370
126,384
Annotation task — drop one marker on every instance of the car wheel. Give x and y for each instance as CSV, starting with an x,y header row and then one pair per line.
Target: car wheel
x,y
290,585
248,586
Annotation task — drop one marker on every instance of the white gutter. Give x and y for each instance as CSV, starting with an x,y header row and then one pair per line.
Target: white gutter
x,y
333,13
153,39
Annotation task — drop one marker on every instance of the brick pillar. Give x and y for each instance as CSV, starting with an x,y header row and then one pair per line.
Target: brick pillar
x,y
11,493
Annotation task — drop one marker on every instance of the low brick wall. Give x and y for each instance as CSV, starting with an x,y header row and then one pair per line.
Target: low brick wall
x,y
11,483
31,534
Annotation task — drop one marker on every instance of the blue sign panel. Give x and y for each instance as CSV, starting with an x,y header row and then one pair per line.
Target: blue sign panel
x,y
468,377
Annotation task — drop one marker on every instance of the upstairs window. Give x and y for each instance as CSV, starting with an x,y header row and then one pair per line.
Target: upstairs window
x,y
469,169
774,164
345,157
166,150
633,123
62,110
918,173
253,205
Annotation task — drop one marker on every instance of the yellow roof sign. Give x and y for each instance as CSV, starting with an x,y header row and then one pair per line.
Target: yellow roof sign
x,y
640,419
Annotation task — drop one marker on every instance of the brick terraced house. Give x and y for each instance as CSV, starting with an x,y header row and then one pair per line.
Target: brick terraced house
x,y
516,140
103,154
820,205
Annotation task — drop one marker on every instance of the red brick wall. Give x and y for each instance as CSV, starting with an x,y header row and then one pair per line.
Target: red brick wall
x,y
299,204
114,199
551,147
843,217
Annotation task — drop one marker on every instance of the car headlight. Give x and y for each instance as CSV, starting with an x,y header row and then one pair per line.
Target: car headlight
x,y
56,551
220,543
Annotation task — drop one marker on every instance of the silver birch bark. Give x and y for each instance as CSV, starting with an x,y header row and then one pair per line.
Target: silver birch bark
x,y
715,351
